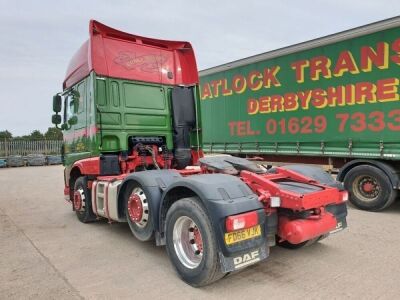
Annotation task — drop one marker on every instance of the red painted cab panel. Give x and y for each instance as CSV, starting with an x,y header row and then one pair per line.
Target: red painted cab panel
x,y
113,53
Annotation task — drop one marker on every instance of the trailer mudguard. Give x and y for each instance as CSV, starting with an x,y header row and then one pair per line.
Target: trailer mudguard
x,y
221,195
392,173
153,182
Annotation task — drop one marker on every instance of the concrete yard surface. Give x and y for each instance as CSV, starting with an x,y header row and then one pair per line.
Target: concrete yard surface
x,y
46,253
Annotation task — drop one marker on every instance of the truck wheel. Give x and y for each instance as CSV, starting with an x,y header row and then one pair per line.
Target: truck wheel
x,y
369,188
191,243
82,201
138,212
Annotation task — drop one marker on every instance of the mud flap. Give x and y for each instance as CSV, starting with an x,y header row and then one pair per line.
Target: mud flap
x,y
341,224
244,259
340,213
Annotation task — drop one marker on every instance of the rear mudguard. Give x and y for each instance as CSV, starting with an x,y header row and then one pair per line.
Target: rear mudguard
x,y
222,196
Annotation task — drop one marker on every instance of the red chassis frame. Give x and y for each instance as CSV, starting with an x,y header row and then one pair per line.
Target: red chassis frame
x,y
291,227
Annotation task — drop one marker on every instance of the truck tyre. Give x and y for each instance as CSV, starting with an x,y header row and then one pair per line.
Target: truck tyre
x,y
191,243
138,212
82,203
369,187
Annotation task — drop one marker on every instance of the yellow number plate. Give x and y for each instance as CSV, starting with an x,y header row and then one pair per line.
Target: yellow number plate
x,y
242,235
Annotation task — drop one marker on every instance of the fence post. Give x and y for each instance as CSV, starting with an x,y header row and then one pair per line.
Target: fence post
x,y
5,147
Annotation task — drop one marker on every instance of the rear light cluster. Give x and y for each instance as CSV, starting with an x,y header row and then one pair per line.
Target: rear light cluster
x,y
241,221
344,196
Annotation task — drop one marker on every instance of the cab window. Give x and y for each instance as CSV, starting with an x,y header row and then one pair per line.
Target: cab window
x,y
69,107
81,91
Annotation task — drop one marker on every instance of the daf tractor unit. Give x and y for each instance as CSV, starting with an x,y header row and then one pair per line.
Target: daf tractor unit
x,y
131,119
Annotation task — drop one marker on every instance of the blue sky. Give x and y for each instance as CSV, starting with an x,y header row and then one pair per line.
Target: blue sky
x,y
39,37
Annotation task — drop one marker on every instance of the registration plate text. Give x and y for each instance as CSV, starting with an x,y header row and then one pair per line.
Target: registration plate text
x,y
242,235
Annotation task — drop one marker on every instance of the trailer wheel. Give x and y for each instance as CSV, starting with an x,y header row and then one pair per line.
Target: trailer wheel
x,y
138,212
82,202
191,243
369,187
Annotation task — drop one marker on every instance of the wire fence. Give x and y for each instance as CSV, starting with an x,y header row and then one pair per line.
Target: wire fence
x,y
26,147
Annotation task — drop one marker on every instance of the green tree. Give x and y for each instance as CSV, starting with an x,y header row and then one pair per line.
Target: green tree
x,y
53,133
5,135
36,135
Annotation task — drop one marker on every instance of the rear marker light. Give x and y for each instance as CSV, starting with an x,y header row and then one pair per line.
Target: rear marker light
x,y
241,221
275,201
345,196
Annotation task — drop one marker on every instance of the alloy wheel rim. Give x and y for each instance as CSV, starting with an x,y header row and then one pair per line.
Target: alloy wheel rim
x,y
188,242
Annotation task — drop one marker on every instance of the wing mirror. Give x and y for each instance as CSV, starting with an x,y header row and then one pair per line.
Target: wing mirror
x,y
56,119
57,103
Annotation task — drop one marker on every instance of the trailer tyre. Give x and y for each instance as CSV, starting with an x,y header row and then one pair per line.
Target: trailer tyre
x,y
82,203
138,212
369,187
191,243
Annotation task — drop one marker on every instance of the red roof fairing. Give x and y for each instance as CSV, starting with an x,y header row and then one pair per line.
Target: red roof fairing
x,y
114,53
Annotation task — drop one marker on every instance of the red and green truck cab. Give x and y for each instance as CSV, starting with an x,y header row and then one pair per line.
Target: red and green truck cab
x,y
331,101
130,115
117,90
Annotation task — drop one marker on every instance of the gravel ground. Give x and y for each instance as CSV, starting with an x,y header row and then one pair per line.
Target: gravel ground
x,y
45,253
